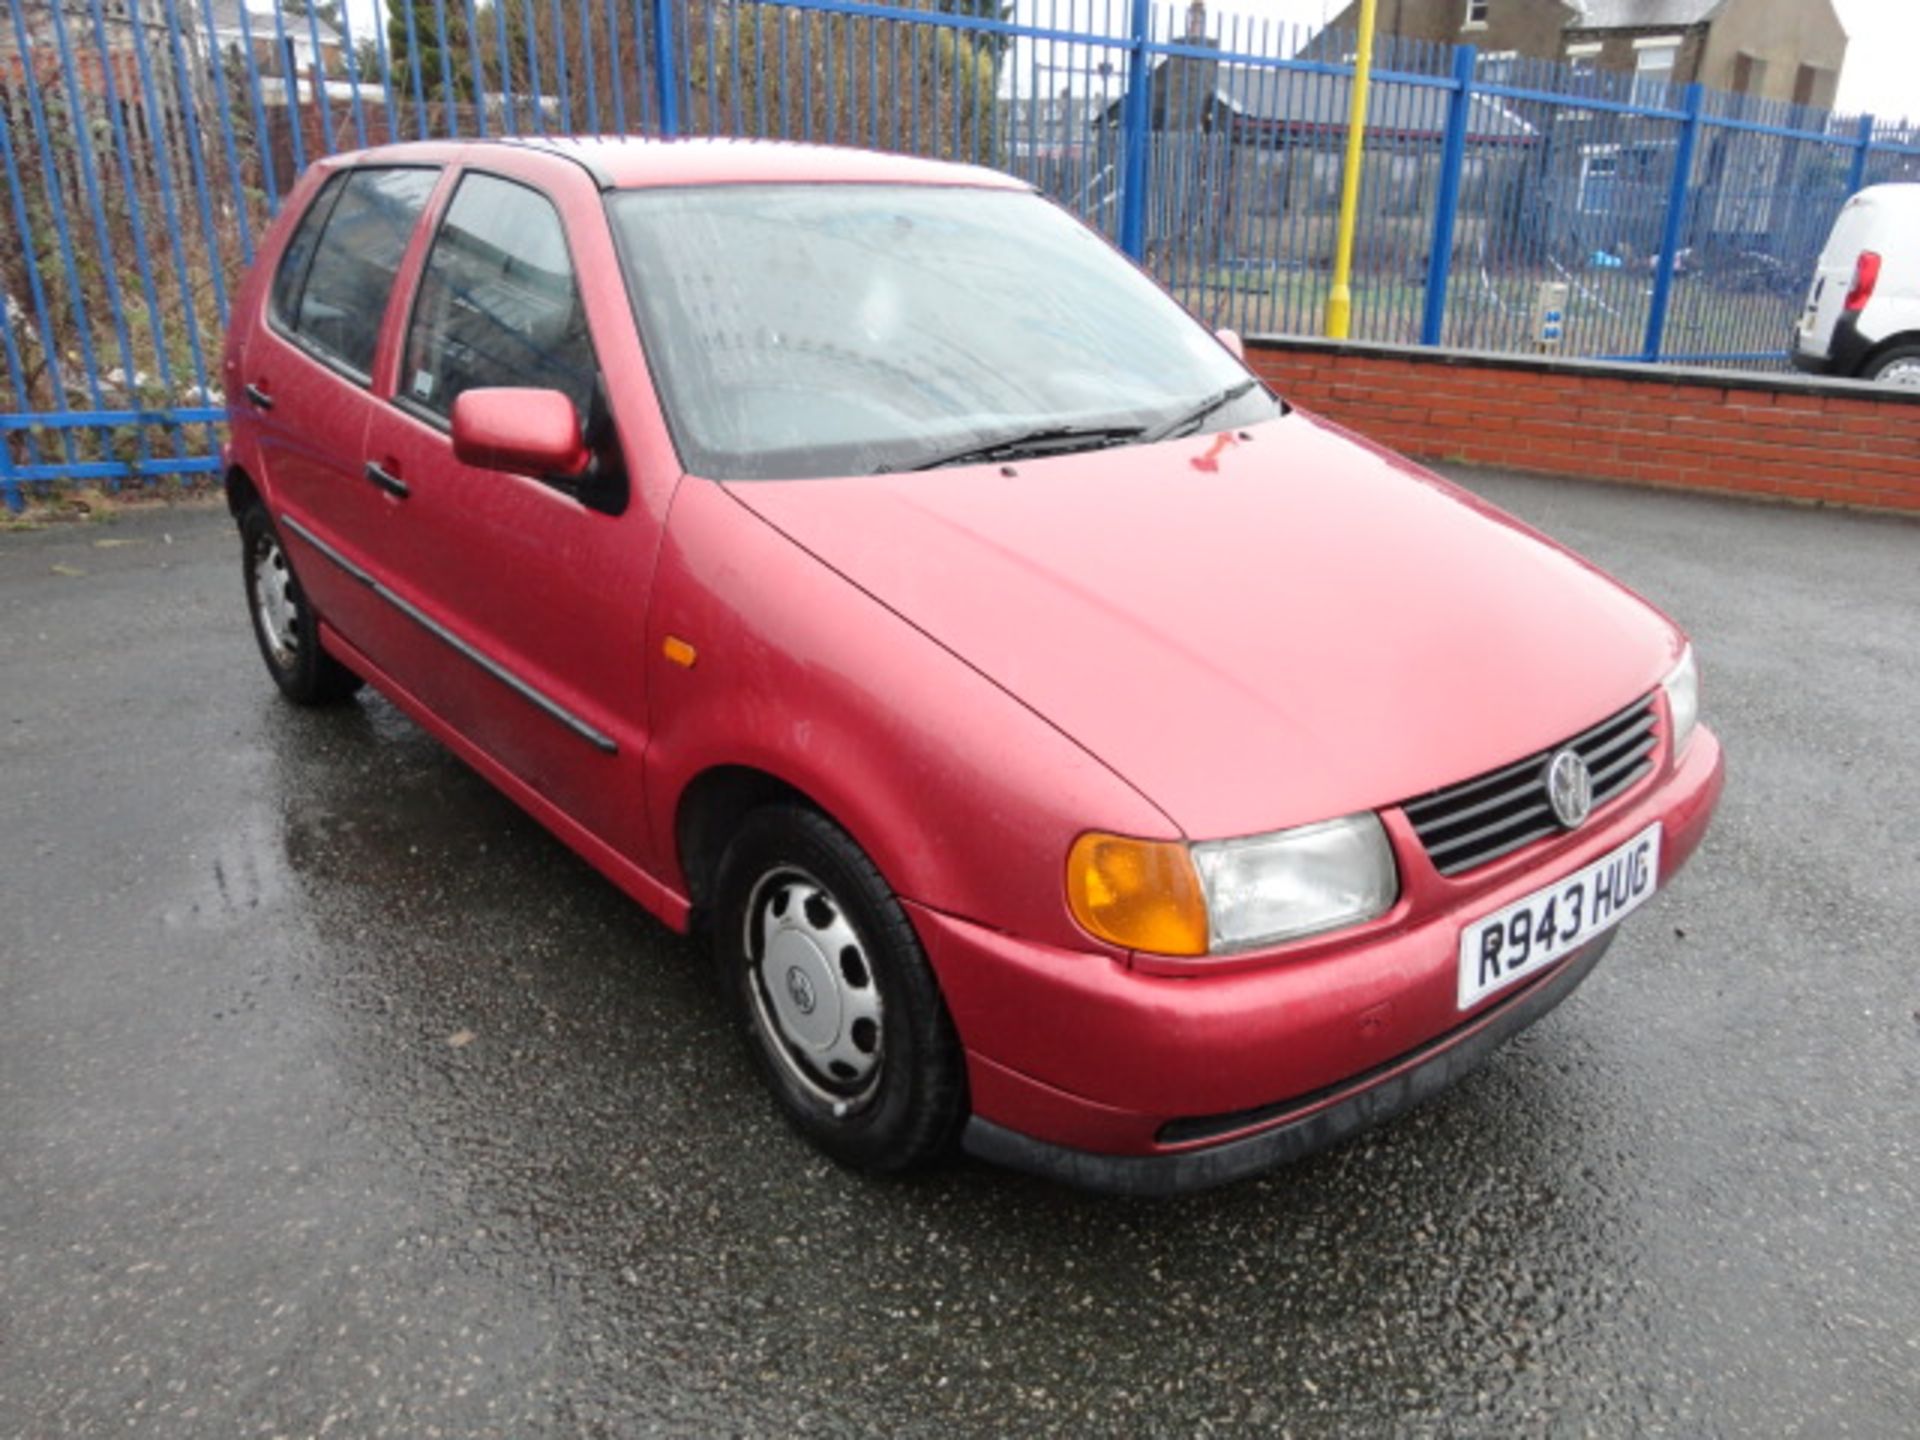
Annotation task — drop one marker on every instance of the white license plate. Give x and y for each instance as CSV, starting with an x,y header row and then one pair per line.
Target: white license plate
x,y
1526,937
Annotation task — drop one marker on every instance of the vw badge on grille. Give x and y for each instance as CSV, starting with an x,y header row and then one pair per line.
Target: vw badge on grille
x,y
1569,788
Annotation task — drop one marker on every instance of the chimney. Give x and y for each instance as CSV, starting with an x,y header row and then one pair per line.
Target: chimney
x,y
1197,20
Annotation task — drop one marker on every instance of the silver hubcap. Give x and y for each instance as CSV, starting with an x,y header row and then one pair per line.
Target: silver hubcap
x,y
814,995
273,602
1904,373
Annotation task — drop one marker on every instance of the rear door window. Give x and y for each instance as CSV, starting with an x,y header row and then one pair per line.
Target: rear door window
x,y
336,307
498,303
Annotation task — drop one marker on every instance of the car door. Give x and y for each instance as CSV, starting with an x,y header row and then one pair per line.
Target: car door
x,y
307,372
529,600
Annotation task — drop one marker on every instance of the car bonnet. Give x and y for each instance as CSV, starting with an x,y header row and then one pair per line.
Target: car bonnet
x,y
1257,628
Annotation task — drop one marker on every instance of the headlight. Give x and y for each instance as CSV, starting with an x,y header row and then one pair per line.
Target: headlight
x,y
1296,882
1167,898
1683,699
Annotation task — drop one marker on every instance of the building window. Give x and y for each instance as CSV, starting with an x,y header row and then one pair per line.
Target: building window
x,y
1477,14
1653,70
1597,175
1749,74
1622,179
1496,67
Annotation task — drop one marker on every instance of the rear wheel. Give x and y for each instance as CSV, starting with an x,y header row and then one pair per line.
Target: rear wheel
x,y
1899,366
283,622
839,1005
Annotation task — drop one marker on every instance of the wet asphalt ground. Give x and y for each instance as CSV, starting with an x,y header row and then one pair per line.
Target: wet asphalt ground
x,y
336,1098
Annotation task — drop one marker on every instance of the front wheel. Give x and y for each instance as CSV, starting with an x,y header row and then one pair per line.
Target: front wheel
x,y
840,1007
283,621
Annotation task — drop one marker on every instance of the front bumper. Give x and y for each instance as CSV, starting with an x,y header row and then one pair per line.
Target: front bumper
x,y
1092,1071
1317,1122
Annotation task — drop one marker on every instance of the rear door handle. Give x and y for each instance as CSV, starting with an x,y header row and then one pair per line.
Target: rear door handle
x,y
260,398
387,480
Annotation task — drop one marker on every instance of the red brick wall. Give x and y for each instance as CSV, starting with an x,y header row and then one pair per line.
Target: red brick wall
x,y
1833,442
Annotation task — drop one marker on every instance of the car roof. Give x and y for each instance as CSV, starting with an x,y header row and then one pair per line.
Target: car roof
x,y
1903,194
619,162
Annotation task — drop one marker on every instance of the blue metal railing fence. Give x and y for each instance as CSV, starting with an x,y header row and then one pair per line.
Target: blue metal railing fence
x,y
144,144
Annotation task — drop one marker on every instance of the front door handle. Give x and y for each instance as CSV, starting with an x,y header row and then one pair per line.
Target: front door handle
x,y
387,480
260,398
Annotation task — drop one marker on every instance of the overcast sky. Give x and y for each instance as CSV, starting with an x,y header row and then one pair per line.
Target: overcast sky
x,y
1883,56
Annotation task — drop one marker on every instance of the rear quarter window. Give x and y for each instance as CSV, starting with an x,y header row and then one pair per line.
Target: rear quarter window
x,y
334,298
291,277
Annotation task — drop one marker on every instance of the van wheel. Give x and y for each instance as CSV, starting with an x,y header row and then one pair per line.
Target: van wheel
x,y
1899,366
283,622
840,1008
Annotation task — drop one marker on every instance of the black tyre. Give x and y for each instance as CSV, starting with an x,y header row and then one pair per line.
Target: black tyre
x,y
283,622
1898,366
839,1005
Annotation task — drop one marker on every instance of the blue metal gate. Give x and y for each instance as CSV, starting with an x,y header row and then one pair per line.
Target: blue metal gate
x,y
145,143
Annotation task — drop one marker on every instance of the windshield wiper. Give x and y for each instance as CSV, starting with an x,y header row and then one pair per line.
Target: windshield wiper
x,y
1191,419
1049,440
1064,439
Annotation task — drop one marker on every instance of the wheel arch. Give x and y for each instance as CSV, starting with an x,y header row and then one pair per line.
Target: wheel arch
x,y
241,491
709,811
805,689
1900,340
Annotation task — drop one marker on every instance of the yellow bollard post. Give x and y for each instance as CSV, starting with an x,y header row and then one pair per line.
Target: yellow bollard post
x,y
1340,299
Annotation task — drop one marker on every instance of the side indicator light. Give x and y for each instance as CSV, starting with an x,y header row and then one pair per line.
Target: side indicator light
x,y
1138,894
679,652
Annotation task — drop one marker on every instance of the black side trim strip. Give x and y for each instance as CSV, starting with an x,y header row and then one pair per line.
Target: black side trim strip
x,y
538,698
332,554
1369,1100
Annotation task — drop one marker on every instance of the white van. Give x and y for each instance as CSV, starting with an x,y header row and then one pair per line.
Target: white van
x,y
1863,312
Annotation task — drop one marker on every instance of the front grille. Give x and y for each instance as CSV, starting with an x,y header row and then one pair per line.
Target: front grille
x,y
1494,814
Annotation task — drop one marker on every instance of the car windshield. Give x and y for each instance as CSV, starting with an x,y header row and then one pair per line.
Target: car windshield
x,y
811,330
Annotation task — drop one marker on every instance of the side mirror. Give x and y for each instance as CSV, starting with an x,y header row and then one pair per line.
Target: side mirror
x,y
526,432
1231,339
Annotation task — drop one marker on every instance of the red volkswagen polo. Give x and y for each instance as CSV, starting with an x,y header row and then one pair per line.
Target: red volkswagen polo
x,y
1066,748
